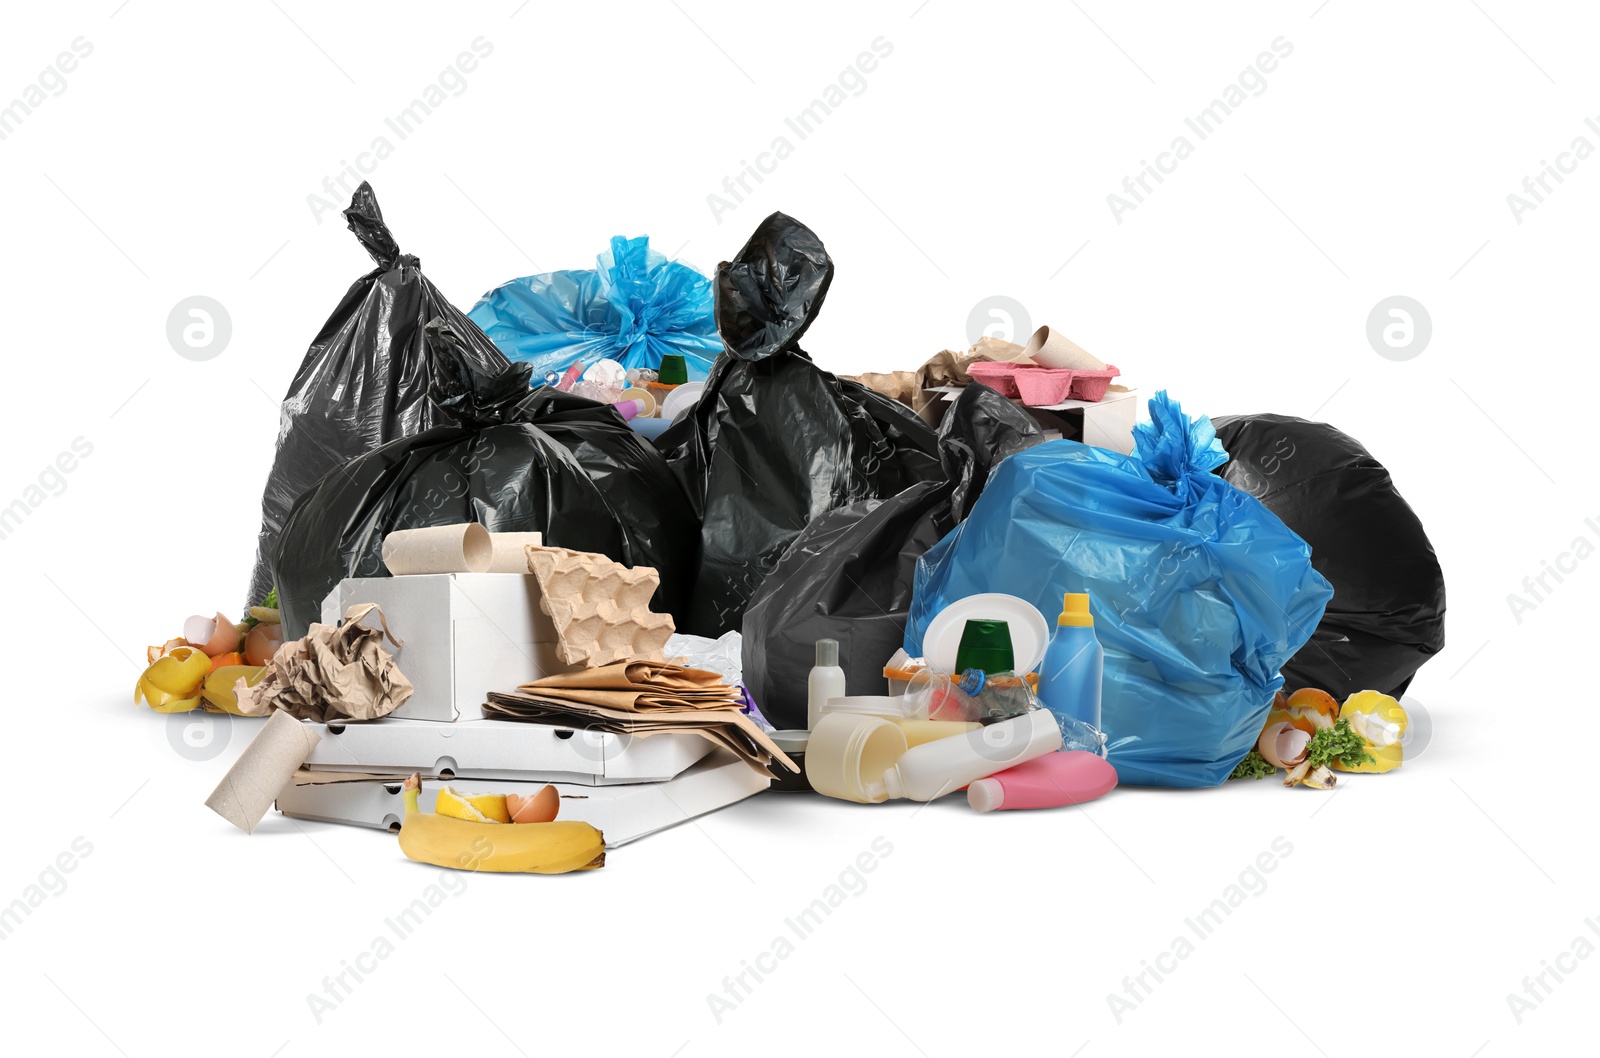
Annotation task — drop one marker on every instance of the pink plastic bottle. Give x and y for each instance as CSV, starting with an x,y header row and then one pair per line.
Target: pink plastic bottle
x,y
1069,777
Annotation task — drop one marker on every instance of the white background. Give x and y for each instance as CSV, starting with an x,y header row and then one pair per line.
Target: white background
x,y
177,161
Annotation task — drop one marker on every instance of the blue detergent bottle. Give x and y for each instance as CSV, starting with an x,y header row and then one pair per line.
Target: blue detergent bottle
x,y
1069,676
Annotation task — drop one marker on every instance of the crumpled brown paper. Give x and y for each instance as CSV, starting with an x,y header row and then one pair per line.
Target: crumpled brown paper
x,y
337,672
643,698
896,385
945,368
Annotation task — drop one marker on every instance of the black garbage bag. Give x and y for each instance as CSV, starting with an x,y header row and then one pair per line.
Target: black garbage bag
x,y
512,459
849,575
1387,614
364,381
775,440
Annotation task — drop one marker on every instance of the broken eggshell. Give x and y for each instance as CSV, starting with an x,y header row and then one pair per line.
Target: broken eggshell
x,y
261,642
1283,744
541,807
214,635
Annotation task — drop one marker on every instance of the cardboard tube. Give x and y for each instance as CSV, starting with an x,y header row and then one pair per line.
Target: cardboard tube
x,y
462,548
266,766
510,554
1049,349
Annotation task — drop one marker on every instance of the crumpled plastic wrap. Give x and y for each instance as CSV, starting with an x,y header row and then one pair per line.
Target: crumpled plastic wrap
x,y
634,307
335,672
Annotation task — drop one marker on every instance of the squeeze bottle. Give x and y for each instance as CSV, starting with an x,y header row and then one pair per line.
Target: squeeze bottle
x,y
934,769
826,681
1068,778
1069,676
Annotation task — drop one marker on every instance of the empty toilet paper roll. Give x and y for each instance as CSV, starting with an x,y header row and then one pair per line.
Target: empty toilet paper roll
x,y
266,766
510,551
463,548
1048,348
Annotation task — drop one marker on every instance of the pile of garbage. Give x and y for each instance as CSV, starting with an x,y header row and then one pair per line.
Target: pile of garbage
x,y
610,550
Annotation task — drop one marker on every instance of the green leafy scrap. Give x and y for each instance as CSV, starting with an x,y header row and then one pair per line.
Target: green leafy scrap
x,y
1253,766
1337,743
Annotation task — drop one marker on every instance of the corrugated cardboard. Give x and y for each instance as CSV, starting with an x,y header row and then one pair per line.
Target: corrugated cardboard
x,y
465,634
623,812
503,749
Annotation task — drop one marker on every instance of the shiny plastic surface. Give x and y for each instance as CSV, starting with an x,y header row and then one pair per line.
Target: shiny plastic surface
x,y
511,458
849,575
1387,614
634,307
1199,592
364,380
775,440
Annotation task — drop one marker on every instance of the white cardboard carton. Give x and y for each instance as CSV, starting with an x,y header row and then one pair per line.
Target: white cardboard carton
x,y
623,813
503,749
464,635
1106,423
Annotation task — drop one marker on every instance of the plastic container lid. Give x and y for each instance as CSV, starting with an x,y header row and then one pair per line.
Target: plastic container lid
x,y
827,653
791,741
986,795
1075,611
681,399
1030,634
673,369
986,646
885,705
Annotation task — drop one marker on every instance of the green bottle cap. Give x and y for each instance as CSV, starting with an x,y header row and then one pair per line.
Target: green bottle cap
x,y
986,646
674,371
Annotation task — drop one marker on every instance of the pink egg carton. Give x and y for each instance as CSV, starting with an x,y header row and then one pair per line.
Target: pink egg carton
x,y
1040,386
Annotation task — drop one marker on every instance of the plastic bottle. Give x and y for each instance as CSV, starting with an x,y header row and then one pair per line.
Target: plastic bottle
x,y
936,768
919,732
1069,676
826,681
1067,778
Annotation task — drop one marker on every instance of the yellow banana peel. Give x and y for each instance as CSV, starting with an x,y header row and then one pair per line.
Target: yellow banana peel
x,y
464,844
217,689
172,683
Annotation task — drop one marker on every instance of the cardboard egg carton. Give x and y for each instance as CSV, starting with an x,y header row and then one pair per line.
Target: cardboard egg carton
x,y
600,608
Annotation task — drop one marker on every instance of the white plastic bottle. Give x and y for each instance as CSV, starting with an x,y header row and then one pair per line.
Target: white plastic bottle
x,y
826,681
936,768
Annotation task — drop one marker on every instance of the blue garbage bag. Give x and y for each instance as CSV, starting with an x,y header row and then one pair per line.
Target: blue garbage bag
x,y
635,307
1199,593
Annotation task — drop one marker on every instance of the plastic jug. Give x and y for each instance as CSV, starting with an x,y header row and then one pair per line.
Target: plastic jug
x,y
1069,676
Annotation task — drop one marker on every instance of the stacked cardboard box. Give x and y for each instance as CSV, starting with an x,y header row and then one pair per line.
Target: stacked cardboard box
x,y
462,635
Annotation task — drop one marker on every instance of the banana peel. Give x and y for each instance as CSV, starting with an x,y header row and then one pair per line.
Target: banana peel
x,y
219,690
530,848
1381,722
172,682
1318,778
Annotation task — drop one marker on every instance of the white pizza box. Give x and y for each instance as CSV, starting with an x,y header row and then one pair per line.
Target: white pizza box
x,y
463,635
502,749
622,812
